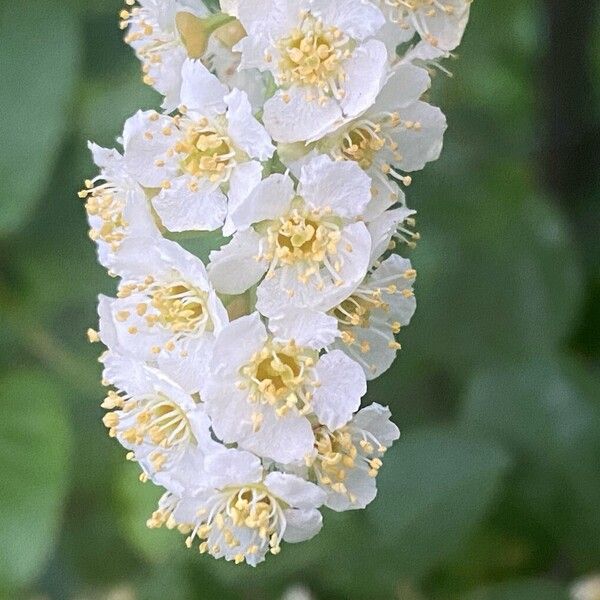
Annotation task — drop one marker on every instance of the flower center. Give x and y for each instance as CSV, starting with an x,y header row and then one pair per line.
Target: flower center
x,y
313,55
361,144
241,523
152,419
279,375
340,451
181,308
207,153
302,238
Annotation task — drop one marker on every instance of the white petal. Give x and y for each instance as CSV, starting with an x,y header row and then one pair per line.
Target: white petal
x,y
446,27
341,186
365,75
232,468
295,491
406,85
201,91
272,18
302,525
181,209
234,268
422,144
383,228
360,485
306,327
270,199
298,118
359,20
342,385
237,342
376,419
244,129
283,440
144,143
244,178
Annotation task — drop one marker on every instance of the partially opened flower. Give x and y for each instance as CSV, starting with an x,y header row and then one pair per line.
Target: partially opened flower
x,y
373,315
166,309
346,461
305,238
164,33
116,205
439,23
201,157
239,512
265,393
324,64
397,135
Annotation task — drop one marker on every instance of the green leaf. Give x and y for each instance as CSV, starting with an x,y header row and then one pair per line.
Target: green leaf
x,y
137,503
523,590
34,462
546,411
40,47
435,486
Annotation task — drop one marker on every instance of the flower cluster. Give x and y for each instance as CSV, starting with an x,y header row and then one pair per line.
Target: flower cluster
x,y
289,129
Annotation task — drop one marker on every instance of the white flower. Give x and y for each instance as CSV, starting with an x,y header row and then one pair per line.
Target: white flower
x,y
397,135
323,63
163,34
439,23
346,461
116,205
164,427
200,157
587,589
372,316
264,393
166,311
241,513
305,240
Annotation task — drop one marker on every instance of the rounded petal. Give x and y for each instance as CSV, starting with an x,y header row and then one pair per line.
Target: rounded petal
x,y
234,268
422,141
341,186
376,419
302,525
359,20
181,209
283,440
365,74
244,129
307,327
270,199
231,467
201,91
296,115
405,86
342,385
244,178
294,490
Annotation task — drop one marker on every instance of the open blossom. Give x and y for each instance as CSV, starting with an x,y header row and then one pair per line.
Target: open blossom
x,y
162,425
439,23
324,62
397,135
303,241
291,127
165,311
239,511
199,158
116,205
264,393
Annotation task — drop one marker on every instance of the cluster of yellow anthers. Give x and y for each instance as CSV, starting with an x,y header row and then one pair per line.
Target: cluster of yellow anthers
x,y
291,130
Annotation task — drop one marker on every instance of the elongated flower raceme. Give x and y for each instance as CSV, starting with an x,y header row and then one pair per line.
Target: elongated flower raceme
x,y
292,128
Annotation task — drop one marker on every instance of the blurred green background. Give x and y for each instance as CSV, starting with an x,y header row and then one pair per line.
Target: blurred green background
x,y
493,493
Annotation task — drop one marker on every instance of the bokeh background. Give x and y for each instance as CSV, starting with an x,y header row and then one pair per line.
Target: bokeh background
x,y
493,492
